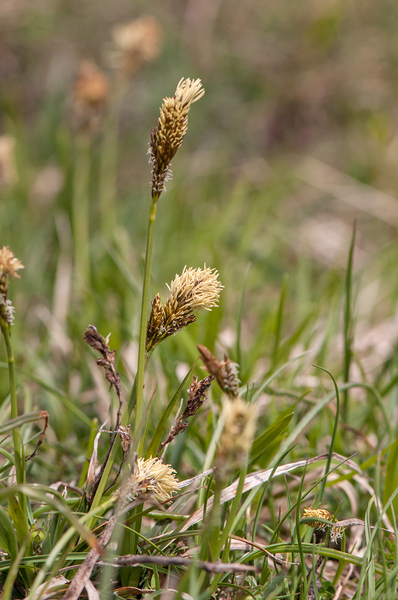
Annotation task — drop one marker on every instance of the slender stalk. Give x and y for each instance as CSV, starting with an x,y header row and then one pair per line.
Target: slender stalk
x,y
228,526
19,463
348,323
80,212
108,171
334,433
18,508
136,395
143,322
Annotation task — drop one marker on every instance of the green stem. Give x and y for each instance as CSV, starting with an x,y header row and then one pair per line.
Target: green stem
x,y
228,527
80,210
143,323
136,395
108,172
348,323
20,512
19,463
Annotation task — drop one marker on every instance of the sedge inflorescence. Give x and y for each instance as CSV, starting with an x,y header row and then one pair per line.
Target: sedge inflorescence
x,y
152,479
9,265
237,436
193,290
336,532
170,131
224,371
134,44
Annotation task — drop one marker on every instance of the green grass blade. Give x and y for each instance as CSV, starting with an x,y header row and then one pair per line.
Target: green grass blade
x,y
391,479
239,318
8,539
269,435
157,436
348,323
334,433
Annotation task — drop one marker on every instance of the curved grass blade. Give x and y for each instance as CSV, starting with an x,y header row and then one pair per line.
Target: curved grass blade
x,y
252,480
157,436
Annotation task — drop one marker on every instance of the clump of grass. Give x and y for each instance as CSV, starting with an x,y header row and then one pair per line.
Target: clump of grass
x,y
128,528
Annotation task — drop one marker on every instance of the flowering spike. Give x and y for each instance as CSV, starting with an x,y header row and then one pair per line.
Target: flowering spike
x,y
9,265
170,131
237,436
225,372
151,478
193,290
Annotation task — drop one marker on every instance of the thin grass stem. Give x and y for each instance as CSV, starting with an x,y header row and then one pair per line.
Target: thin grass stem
x,y
348,323
19,462
143,322
80,212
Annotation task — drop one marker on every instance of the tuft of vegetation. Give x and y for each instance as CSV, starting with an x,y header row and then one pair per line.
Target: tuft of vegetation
x,y
234,436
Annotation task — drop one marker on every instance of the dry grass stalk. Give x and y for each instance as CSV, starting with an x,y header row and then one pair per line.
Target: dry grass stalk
x,y
197,396
225,372
193,290
100,344
166,561
170,131
257,478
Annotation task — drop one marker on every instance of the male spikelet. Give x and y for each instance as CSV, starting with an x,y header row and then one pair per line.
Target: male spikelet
x,y
193,290
90,96
151,480
170,131
134,44
316,513
9,265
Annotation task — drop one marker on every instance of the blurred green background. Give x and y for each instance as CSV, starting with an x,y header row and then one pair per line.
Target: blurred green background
x,y
294,140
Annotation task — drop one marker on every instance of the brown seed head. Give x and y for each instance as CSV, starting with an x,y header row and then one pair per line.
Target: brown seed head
x,y
225,372
135,43
237,436
193,290
151,478
90,95
8,172
170,131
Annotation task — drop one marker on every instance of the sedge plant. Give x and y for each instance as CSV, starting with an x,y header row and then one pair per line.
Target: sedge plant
x,y
128,525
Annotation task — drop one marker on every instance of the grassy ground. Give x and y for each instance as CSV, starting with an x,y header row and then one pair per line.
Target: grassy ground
x,y
286,184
